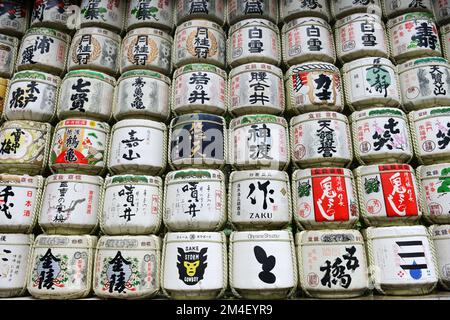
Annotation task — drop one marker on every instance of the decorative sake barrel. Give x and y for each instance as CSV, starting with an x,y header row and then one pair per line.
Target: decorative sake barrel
x,y
307,39
262,264
32,95
71,204
197,140
138,147
146,48
424,83
79,146
8,55
214,10
401,260
441,240
381,135
195,200
52,14
430,131
199,41
103,13
142,94
413,35
194,265
86,93
127,267
445,34
320,139
15,254
441,12
290,10
148,13
371,82
61,267
324,198
253,40
259,199
394,8
21,200
24,147
320,253
132,205
259,142
434,186
313,86
44,49
243,9
343,8
199,87
256,88
95,48
388,194
14,17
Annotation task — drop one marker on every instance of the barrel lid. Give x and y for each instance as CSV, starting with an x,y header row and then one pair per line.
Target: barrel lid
x,y
26,125
91,74
48,32
185,237
74,177
377,112
9,40
434,170
139,123
329,237
144,73
146,31
199,23
410,16
37,75
391,232
410,64
310,172
194,67
319,115
130,242
22,180
98,31
197,117
57,241
195,174
430,113
76,123
438,231
16,238
357,17
376,169
258,174
248,67
368,61
253,22
305,21
260,236
132,179
257,118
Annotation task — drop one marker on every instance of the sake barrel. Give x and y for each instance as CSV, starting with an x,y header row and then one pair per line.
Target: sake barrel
x,y
259,199
424,83
371,82
381,135
441,240
242,9
132,205
253,40
199,41
441,11
45,50
32,95
342,8
262,264
79,146
324,198
24,147
142,94
256,88
14,17
52,14
103,13
197,140
259,142
8,55
127,267
71,204
214,10
434,186
445,34
148,13
320,139
388,194
131,143
394,8
307,39
21,200
430,131
293,9
199,87
360,35
195,200
15,254
95,48
194,265
322,252
313,86
146,48
413,35
401,260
